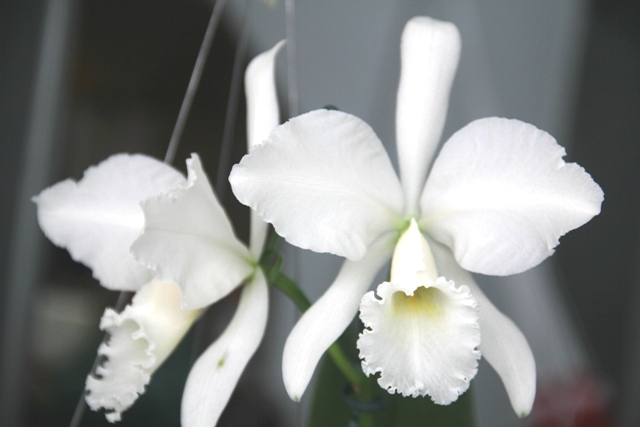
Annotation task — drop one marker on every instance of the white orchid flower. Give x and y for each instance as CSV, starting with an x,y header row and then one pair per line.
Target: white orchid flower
x,y
496,201
96,219
189,258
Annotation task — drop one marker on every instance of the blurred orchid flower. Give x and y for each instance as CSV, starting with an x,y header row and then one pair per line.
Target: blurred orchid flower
x,y
497,199
187,259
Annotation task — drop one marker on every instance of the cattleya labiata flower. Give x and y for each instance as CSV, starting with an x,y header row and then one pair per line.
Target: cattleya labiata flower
x,y
141,226
495,201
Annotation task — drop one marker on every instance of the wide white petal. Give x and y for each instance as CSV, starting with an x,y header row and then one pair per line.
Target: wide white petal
x,y
215,374
327,318
430,52
500,196
97,218
189,241
263,115
503,344
141,337
325,182
422,339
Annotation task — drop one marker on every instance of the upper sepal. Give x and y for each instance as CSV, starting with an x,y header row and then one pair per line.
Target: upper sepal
x,y
430,51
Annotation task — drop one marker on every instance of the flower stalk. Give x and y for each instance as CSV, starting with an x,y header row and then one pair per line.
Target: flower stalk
x,y
363,388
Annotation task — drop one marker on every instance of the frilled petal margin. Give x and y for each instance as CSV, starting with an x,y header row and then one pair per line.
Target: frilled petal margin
x,y
503,344
324,181
141,337
423,332
214,376
189,241
423,340
97,218
500,196
326,320
263,115
430,52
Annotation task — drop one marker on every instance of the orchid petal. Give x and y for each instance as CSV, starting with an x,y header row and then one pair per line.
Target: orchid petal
x,y
422,338
503,344
500,196
430,53
325,182
215,374
189,241
422,334
263,115
322,324
141,337
97,218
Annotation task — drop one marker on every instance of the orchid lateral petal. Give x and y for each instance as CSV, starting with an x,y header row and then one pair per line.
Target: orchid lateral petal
x,y
503,344
322,324
97,218
141,337
189,241
215,374
421,338
263,115
325,182
500,196
430,52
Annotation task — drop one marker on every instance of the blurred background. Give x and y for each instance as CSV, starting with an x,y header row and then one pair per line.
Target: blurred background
x,y
81,80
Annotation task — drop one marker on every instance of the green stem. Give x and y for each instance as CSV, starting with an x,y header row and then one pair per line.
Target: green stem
x,y
295,294
363,387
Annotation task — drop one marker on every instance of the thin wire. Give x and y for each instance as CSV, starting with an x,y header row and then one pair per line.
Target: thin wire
x,y
194,81
232,105
292,76
292,93
200,329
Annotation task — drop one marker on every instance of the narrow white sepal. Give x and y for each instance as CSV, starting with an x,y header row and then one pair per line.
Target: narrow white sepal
x,y
322,324
141,337
501,196
503,344
324,181
97,218
263,115
430,52
189,241
507,351
215,374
